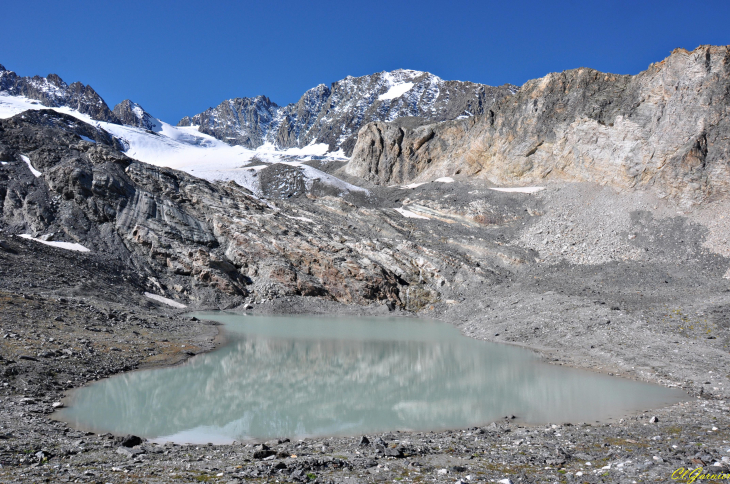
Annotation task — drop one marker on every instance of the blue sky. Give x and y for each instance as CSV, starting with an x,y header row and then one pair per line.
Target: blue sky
x,y
177,58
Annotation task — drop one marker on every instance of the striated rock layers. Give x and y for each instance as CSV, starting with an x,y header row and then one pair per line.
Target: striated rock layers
x,y
333,115
666,128
51,91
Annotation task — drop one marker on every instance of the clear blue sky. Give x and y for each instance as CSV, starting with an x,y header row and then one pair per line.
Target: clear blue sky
x,y
179,57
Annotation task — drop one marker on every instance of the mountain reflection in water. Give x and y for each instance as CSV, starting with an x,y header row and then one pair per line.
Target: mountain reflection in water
x,y
308,376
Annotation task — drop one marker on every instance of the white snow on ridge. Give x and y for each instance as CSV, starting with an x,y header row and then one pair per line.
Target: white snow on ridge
x,y
396,91
408,214
61,245
32,170
518,189
185,148
165,300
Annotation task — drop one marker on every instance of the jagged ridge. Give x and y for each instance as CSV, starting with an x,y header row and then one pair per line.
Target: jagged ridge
x,y
333,115
51,91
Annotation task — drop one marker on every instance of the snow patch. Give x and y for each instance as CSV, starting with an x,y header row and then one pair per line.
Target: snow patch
x,y
396,91
32,170
86,138
165,300
518,189
12,105
339,155
408,214
302,219
60,245
445,179
412,185
268,149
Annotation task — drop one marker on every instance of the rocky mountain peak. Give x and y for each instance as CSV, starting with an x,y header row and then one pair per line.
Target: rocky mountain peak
x,y
52,91
239,121
132,114
54,79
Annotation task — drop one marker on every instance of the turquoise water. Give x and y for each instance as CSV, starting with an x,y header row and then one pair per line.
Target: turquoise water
x,y
295,376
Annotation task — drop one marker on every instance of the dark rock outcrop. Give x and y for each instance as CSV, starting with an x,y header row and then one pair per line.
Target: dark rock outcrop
x,y
240,121
132,114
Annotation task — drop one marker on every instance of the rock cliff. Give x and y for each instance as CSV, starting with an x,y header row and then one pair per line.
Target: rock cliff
x,y
664,128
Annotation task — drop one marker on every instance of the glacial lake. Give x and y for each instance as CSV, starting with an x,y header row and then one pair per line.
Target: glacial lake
x,y
307,376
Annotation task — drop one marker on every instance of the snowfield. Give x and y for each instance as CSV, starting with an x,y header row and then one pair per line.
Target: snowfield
x,y
165,300
201,155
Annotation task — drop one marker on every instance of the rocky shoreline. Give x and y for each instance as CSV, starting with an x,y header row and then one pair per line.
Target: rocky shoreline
x,y
78,340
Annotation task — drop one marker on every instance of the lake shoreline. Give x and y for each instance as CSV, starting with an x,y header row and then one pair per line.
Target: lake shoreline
x,y
28,426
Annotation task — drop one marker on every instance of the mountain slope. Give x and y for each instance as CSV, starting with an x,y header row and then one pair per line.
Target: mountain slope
x,y
202,243
333,115
665,128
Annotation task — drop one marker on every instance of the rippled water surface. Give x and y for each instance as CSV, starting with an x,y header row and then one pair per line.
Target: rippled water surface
x,y
294,376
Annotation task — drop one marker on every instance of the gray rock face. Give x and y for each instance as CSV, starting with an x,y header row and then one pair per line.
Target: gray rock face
x,y
51,91
132,114
663,128
333,115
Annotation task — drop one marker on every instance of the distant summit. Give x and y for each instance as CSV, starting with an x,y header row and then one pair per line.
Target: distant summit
x,y
334,115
